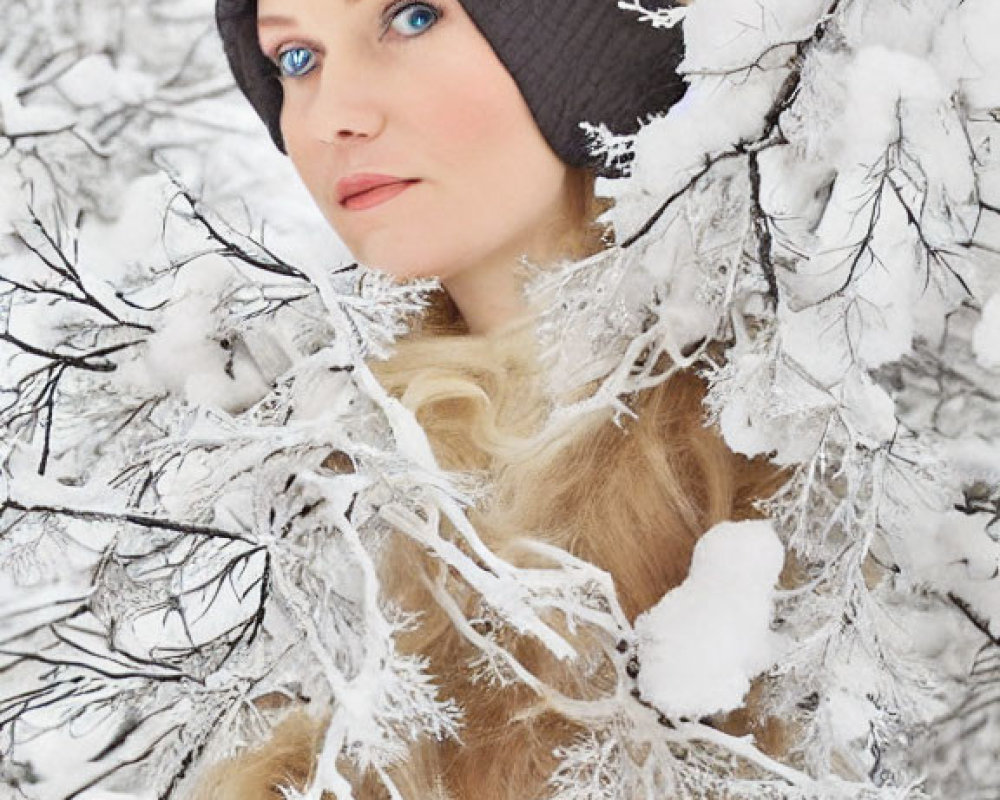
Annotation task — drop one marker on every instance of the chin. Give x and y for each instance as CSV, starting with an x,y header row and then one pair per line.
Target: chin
x,y
404,270
406,264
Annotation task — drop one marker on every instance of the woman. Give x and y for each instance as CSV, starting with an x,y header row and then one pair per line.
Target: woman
x,y
441,139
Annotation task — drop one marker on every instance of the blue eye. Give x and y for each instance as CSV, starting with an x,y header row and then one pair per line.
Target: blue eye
x,y
414,19
296,61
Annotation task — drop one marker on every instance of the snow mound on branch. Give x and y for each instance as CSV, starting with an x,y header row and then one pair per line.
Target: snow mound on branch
x,y
965,47
700,646
986,340
90,81
191,356
959,556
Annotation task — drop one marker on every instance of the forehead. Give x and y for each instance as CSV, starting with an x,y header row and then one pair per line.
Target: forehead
x,y
269,11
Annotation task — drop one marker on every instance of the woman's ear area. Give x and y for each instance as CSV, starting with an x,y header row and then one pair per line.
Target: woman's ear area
x,y
256,76
587,236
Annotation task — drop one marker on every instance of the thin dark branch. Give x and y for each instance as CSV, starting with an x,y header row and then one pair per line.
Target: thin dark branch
x,y
68,271
13,137
133,519
969,613
50,414
121,765
273,263
75,645
77,362
762,228
68,662
933,253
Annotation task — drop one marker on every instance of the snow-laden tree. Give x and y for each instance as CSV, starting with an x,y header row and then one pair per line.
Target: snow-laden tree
x,y
198,470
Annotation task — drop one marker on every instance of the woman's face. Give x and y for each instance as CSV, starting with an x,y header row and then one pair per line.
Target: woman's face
x,y
412,91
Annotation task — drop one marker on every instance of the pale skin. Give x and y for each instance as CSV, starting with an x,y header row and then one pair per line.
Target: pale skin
x,y
413,90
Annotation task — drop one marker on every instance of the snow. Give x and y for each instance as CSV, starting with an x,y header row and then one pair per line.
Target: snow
x,y
986,339
965,49
114,248
190,356
11,203
101,794
736,420
20,120
89,81
732,33
703,643
955,553
876,80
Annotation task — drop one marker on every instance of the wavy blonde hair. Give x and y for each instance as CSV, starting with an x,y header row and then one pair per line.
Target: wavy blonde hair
x,y
632,499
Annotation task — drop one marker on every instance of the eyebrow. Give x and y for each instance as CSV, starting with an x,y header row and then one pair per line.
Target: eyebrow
x,y
263,22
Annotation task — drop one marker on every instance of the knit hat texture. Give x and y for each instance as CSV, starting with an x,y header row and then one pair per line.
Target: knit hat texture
x,y
573,60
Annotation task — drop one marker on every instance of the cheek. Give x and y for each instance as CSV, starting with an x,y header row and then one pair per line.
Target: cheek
x,y
316,170
495,178
311,162
471,114
474,116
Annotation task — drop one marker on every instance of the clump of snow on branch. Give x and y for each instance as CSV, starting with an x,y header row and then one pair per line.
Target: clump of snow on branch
x,y
703,643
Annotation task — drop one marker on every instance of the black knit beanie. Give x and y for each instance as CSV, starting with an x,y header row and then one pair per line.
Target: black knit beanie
x,y
573,60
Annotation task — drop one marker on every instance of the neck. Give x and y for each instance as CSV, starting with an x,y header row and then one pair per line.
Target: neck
x,y
488,297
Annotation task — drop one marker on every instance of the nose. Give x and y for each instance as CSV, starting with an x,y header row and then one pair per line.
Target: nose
x,y
347,106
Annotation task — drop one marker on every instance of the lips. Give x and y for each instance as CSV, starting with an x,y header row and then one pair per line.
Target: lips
x,y
354,185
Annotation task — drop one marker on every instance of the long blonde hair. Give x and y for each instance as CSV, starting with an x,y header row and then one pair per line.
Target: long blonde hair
x,y
632,499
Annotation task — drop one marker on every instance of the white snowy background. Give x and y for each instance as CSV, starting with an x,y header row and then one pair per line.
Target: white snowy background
x,y
183,342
